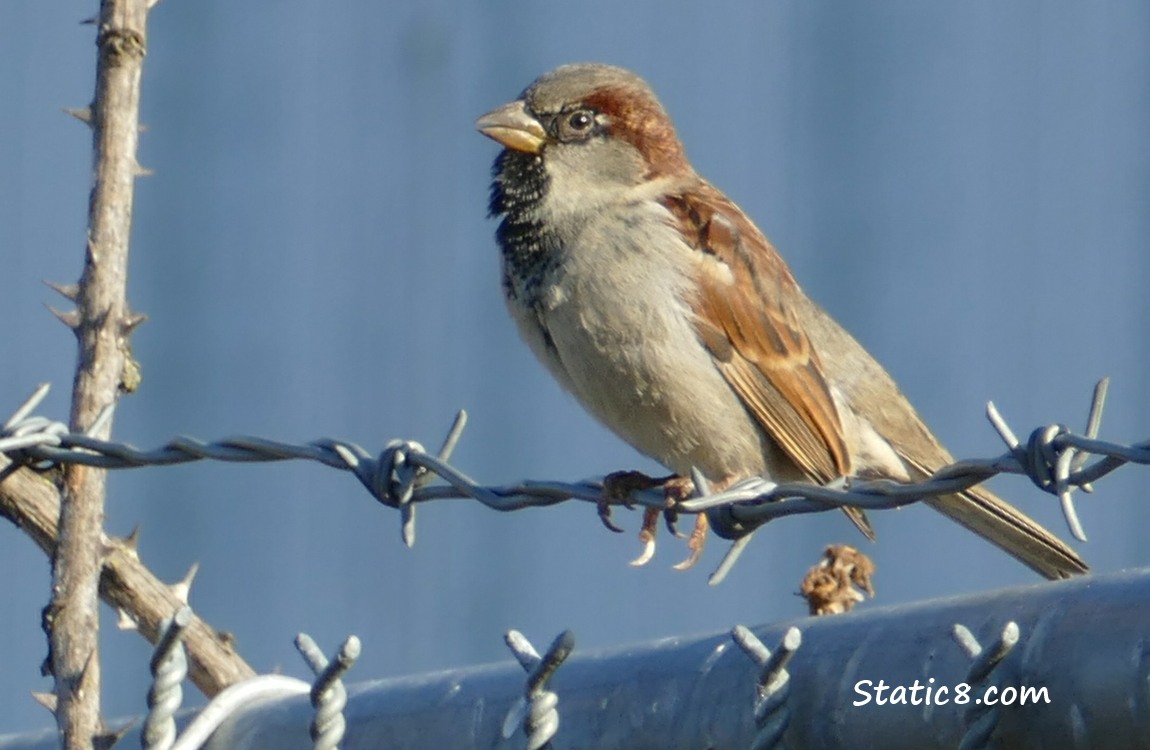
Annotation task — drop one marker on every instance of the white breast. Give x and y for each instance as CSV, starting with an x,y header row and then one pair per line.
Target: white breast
x,y
617,314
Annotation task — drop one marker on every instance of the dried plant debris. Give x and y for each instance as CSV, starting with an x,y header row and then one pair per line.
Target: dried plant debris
x,y
839,581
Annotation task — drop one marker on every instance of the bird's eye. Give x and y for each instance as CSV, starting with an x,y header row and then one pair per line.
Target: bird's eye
x,y
577,125
580,120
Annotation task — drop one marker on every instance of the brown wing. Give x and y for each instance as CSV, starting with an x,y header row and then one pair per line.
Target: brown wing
x,y
758,345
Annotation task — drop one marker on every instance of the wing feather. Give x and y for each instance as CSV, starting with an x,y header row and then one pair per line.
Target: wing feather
x,y
756,341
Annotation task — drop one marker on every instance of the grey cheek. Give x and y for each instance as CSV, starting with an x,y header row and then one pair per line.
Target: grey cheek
x,y
597,165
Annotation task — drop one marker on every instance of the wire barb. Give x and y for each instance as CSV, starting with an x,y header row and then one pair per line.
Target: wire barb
x,y
981,717
328,694
169,667
537,711
772,689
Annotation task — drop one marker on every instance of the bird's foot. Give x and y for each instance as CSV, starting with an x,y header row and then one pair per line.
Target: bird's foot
x,y
618,489
676,489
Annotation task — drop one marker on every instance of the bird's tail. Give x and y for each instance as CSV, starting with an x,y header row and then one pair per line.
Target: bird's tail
x,y
1010,530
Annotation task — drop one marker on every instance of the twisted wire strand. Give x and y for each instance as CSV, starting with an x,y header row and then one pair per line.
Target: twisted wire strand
x,y
169,666
1057,460
328,694
773,688
537,711
982,718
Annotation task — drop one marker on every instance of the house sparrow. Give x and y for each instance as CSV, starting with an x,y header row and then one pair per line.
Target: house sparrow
x,y
662,308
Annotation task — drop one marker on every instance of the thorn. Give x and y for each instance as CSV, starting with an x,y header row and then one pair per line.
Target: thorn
x,y
71,318
47,700
142,171
132,321
67,291
132,542
181,588
90,21
153,4
83,114
110,545
125,621
108,738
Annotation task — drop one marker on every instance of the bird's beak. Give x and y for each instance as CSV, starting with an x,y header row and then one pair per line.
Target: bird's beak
x,y
513,127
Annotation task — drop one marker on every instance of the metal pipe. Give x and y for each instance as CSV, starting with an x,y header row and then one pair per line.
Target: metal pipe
x,y
1086,641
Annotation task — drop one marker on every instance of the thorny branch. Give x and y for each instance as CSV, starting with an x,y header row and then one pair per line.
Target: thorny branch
x,y
101,322
1055,459
86,560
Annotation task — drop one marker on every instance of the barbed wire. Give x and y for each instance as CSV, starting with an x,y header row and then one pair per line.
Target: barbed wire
x,y
1056,460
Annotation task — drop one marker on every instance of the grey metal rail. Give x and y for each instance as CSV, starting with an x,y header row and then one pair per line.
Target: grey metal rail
x,y
1086,641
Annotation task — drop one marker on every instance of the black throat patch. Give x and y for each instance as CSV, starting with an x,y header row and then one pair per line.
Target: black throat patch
x,y
529,250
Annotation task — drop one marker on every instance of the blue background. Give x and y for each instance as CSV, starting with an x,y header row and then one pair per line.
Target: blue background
x,y
965,185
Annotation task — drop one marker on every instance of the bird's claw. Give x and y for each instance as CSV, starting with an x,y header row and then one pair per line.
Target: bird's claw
x,y
696,543
604,509
647,537
618,486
